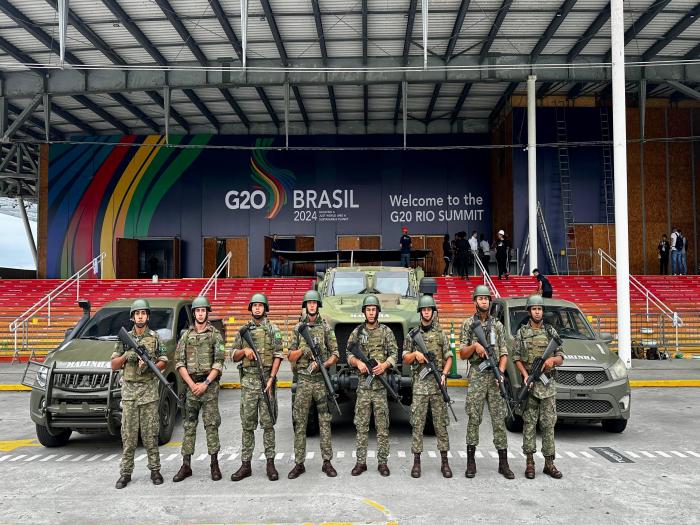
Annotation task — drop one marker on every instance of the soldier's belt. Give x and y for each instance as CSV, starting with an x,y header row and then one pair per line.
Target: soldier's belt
x,y
199,378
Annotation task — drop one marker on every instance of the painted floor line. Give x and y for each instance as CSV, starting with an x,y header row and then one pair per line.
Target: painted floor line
x,y
647,454
631,454
662,454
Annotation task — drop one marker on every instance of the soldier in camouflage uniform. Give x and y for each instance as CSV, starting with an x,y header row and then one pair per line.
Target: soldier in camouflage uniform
x,y
268,343
139,395
426,393
531,340
482,384
378,343
310,386
200,362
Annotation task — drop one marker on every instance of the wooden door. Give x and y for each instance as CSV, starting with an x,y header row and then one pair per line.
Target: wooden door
x,y
434,263
268,249
127,266
176,259
304,244
209,257
348,242
238,246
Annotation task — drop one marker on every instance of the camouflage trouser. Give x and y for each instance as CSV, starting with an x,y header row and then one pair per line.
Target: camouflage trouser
x,y
483,388
419,412
544,410
208,403
254,408
369,400
311,392
137,418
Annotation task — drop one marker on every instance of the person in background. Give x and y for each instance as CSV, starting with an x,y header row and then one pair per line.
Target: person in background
x,y
405,245
664,249
502,246
462,254
544,287
446,254
275,258
484,249
682,247
473,251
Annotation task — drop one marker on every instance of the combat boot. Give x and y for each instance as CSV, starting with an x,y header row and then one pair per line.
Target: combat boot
x,y
383,469
503,467
156,477
358,469
471,462
445,466
243,472
415,471
297,471
214,466
550,469
185,470
529,466
272,474
328,468
123,481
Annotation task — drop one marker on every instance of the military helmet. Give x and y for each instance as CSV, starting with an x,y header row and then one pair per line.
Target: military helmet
x,y
258,298
483,290
426,301
201,302
140,304
312,295
534,300
371,300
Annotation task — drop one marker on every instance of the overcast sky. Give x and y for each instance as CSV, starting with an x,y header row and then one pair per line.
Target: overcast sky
x,y
14,247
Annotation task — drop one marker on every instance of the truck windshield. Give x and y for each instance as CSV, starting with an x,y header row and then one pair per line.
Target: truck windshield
x,y
347,283
392,282
107,322
568,322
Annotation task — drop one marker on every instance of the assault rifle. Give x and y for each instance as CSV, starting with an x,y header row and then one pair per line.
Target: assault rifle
x,y
538,367
492,363
430,368
269,398
129,342
330,391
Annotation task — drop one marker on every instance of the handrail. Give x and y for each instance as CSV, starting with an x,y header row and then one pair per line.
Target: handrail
x,y
45,301
648,294
214,279
487,277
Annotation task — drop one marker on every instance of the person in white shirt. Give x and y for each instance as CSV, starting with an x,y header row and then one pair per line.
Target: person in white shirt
x,y
484,248
675,254
474,250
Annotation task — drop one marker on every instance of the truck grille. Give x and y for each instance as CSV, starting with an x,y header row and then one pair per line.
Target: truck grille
x,y
81,381
590,378
583,406
343,331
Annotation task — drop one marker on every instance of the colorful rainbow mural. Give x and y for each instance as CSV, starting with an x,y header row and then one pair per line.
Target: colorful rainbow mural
x,y
276,182
107,189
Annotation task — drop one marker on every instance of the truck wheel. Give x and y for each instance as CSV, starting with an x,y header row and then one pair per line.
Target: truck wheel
x,y
167,412
614,425
58,439
514,424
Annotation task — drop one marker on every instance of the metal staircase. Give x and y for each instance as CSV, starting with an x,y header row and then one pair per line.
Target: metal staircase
x,y
565,183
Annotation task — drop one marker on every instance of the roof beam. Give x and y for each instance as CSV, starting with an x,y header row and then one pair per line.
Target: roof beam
x,y
686,90
268,105
683,24
235,106
21,118
158,99
55,132
275,31
135,111
495,28
433,100
324,54
456,29
590,32
135,31
640,24
203,109
365,41
411,18
97,110
300,103
560,16
228,29
460,102
503,100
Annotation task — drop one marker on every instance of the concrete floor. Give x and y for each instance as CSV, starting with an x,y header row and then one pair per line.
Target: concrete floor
x,y
75,484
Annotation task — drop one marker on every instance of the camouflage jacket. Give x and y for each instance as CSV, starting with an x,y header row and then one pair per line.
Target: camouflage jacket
x,y
379,344
268,342
468,338
140,383
530,343
436,342
201,351
323,336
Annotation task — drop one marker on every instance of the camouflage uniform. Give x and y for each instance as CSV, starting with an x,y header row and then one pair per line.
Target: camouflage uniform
x,y
140,402
200,353
426,393
310,388
483,387
378,344
268,343
531,343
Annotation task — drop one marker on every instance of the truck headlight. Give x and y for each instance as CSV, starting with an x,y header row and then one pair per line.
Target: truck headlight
x,y
624,402
41,376
618,370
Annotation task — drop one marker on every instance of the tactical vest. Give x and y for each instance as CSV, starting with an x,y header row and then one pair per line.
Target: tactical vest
x,y
131,370
200,350
263,337
318,335
434,340
534,344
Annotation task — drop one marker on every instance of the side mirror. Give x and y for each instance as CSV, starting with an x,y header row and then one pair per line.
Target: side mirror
x,y
607,337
